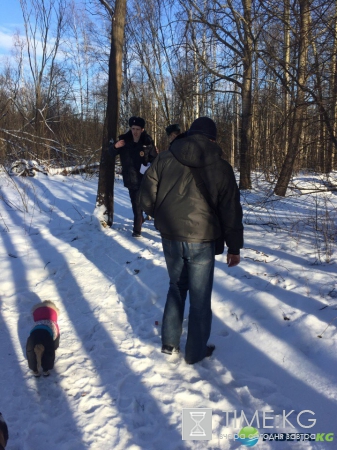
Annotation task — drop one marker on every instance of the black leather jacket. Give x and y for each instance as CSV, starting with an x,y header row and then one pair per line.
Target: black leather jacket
x,y
169,194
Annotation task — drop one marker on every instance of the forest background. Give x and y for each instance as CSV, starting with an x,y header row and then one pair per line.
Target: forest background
x,y
265,71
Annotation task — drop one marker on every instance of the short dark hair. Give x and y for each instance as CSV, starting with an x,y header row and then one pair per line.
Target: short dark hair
x,y
174,128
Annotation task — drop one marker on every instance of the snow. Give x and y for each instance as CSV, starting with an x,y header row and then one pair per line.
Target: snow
x,y
111,387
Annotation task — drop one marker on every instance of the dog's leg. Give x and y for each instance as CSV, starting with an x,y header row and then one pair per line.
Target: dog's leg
x,y
39,350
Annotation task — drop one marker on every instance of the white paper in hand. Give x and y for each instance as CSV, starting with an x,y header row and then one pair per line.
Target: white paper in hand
x,y
143,168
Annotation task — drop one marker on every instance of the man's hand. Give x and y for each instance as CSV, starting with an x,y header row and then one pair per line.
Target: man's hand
x,y
233,260
120,144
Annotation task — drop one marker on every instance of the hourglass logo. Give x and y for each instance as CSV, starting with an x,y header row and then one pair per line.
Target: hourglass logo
x,y
196,424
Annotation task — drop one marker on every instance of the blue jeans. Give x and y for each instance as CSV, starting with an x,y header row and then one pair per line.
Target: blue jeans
x,y
191,268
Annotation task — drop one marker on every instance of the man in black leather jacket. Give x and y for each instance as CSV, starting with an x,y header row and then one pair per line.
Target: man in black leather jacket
x,y
190,222
135,148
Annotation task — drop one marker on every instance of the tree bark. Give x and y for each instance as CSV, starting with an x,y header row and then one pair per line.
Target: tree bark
x,y
299,107
246,92
105,194
331,150
286,56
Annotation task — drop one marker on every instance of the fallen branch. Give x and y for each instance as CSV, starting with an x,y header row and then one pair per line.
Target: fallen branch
x,y
24,168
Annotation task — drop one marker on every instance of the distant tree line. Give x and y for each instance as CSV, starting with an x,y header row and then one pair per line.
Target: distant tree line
x,y
266,72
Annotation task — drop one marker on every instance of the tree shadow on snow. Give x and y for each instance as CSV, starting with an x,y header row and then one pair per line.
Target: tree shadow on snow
x,y
136,410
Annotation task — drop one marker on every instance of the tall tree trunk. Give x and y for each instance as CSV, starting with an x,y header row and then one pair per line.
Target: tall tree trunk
x,y
246,92
331,150
286,56
105,194
299,107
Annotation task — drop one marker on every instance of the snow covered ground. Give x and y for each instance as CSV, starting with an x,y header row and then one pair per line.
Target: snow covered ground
x,y
111,387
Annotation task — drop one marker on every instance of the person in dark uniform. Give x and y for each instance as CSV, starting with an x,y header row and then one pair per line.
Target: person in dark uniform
x,y
135,149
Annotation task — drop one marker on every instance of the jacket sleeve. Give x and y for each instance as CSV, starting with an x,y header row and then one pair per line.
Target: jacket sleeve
x,y
230,214
149,149
148,190
150,154
112,151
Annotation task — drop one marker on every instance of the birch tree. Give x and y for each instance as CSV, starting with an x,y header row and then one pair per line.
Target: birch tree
x,y
299,106
230,25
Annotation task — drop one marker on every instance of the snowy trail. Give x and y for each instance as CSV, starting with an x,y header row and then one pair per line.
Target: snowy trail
x,y
112,388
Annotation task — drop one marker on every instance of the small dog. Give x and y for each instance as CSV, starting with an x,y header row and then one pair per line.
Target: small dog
x,y
3,433
44,338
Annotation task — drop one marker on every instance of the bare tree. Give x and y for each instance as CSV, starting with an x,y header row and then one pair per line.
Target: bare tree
x,y
299,107
332,151
105,194
231,26
303,71
43,39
